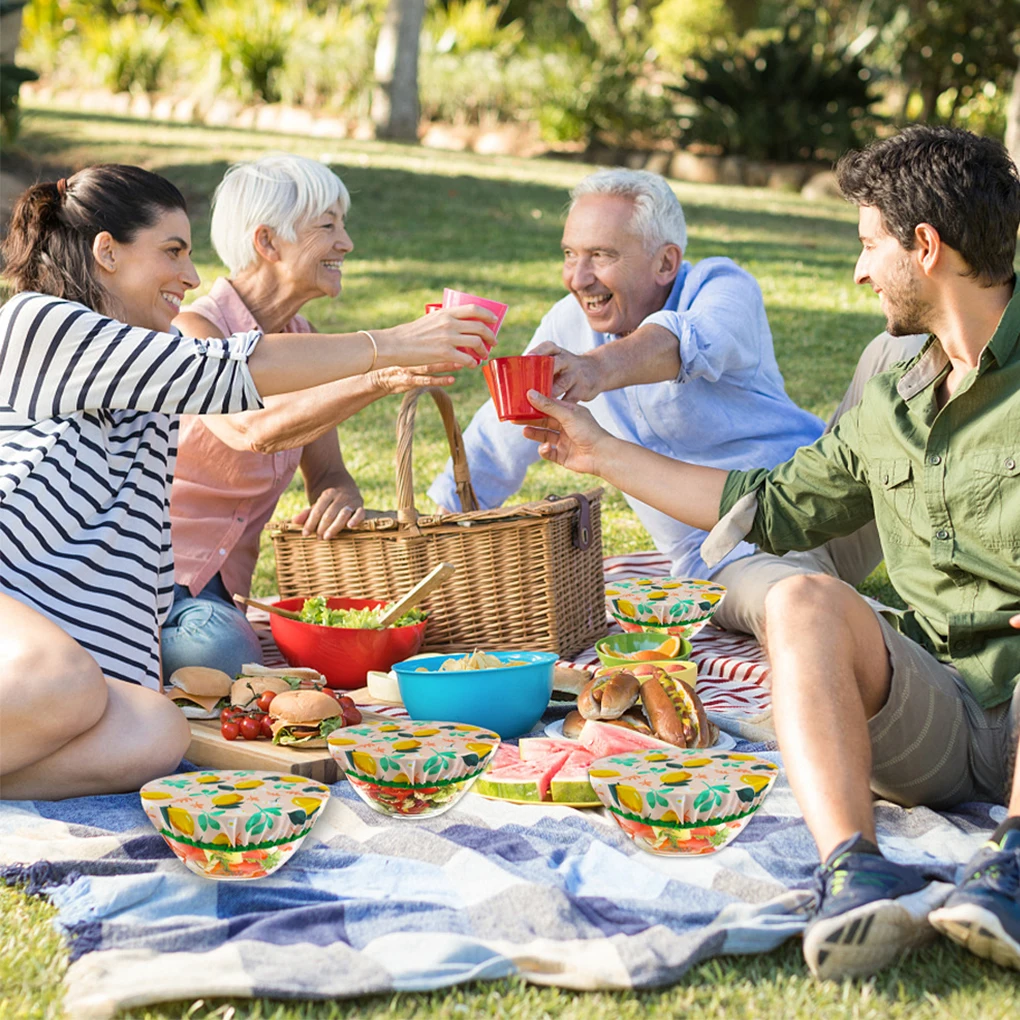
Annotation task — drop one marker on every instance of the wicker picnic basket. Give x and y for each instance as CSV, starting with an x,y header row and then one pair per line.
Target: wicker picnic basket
x,y
528,576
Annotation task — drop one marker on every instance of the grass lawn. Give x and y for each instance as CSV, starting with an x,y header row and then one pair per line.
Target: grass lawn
x,y
422,220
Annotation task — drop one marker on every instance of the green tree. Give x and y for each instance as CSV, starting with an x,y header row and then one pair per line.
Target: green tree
x,y
954,45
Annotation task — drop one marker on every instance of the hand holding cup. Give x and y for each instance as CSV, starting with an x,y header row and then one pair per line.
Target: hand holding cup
x,y
575,376
451,338
570,436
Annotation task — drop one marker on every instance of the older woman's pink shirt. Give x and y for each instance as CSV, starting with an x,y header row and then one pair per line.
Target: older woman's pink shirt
x,y
221,497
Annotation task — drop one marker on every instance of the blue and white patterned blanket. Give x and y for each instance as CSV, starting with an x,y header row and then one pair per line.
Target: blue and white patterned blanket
x,y
556,895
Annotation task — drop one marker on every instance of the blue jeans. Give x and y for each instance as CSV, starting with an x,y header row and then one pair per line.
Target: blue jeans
x,y
207,630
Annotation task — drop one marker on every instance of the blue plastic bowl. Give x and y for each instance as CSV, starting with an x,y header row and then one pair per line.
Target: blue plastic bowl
x,y
507,699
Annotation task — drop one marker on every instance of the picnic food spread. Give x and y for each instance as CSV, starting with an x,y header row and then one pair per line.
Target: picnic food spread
x,y
682,801
412,768
644,716
233,824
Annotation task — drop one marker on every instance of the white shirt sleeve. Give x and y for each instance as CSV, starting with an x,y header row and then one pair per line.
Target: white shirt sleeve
x,y
721,332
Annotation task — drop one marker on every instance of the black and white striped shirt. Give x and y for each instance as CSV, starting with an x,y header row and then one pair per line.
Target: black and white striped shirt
x,y
87,449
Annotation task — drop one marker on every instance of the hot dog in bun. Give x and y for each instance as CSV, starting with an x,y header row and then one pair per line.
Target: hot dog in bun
x,y
304,718
198,691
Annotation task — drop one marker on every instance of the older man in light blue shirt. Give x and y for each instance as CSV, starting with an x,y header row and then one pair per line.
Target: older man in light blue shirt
x,y
623,245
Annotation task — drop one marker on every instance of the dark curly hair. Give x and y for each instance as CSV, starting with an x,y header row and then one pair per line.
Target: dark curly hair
x,y
964,185
49,244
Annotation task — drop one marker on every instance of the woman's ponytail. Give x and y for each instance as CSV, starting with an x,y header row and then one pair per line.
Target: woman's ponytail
x,y
48,247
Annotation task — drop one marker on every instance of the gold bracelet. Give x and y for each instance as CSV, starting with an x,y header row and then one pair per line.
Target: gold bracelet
x,y
375,349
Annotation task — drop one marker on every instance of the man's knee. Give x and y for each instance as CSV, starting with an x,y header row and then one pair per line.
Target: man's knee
x,y
803,594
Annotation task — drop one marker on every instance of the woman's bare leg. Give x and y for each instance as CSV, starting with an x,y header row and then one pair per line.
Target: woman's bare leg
x,y
65,729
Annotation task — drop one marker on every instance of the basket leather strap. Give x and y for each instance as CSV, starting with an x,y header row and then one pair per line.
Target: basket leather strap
x,y
582,532
407,514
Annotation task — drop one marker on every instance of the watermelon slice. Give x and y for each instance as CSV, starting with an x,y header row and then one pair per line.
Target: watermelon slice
x,y
521,780
570,785
603,739
506,754
534,748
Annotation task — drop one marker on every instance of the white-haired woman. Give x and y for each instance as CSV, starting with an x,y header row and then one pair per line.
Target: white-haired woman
x,y
278,225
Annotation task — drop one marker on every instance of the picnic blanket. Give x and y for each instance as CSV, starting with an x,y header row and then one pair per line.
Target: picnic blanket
x,y
372,905
368,904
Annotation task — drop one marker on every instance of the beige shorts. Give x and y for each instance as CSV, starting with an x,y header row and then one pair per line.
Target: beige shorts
x,y
931,742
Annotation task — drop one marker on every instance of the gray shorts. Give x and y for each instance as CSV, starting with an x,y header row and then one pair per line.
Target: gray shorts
x,y
931,742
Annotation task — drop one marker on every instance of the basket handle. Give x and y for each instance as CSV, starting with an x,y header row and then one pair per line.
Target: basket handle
x,y
406,512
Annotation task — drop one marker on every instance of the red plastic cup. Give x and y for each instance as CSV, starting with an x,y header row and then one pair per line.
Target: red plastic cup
x,y
510,379
454,298
433,306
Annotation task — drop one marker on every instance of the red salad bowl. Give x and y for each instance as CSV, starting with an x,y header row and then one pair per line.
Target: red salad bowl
x,y
344,655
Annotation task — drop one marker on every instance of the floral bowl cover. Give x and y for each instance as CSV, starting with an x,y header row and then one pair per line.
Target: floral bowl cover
x,y
682,802
670,605
412,769
232,824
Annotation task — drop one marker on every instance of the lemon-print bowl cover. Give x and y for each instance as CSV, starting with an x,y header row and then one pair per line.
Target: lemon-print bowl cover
x,y
232,824
412,769
670,605
682,801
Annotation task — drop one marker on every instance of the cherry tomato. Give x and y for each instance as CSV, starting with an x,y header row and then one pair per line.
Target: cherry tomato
x,y
250,728
265,700
267,728
230,730
351,715
345,701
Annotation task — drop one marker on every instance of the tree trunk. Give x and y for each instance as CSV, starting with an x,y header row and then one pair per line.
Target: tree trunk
x,y
395,101
1013,120
10,35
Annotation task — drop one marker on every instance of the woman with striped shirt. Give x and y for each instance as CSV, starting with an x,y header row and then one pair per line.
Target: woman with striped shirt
x,y
92,378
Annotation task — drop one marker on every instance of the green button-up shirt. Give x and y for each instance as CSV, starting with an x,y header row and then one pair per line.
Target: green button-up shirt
x,y
943,485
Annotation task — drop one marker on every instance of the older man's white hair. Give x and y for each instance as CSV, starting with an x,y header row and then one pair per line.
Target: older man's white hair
x,y
280,191
658,216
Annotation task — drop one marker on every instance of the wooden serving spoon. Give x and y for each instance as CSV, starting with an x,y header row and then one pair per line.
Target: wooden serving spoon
x,y
286,613
435,578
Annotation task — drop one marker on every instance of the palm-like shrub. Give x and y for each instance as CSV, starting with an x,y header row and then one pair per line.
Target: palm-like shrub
x,y
790,98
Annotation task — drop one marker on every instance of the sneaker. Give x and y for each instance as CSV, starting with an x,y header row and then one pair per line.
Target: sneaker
x,y
983,912
870,911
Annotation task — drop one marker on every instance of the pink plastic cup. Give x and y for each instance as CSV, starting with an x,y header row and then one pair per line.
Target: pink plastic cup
x,y
454,298
509,380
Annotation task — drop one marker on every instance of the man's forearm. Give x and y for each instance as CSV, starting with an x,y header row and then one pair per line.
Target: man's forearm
x,y
648,355
688,493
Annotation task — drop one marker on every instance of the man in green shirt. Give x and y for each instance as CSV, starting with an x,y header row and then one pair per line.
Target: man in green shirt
x,y
926,710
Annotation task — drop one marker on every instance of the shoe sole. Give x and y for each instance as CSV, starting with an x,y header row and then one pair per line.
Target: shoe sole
x,y
864,940
979,931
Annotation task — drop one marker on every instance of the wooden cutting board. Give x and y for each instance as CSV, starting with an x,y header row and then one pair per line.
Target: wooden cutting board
x,y
208,749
